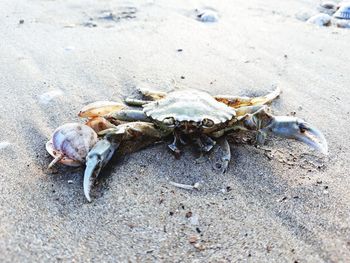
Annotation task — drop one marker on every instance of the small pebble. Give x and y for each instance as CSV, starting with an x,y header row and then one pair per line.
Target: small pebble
x,y
188,214
194,220
193,239
89,24
200,247
21,21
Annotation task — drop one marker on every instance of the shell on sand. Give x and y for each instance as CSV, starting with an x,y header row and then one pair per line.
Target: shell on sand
x,y
207,15
70,143
344,11
320,19
327,7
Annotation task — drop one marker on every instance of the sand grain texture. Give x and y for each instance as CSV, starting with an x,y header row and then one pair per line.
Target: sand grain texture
x,y
260,210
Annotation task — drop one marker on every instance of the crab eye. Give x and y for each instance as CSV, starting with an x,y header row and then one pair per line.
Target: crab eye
x,y
207,123
169,121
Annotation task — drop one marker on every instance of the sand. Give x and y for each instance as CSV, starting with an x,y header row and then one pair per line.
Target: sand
x,y
282,203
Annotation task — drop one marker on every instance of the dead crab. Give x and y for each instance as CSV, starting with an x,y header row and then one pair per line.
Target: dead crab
x,y
187,115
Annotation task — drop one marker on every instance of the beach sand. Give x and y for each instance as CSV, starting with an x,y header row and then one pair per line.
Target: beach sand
x,y
279,203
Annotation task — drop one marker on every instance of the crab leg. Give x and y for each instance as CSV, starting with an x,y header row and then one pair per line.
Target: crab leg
x,y
152,94
242,111
284,126
128,115
117,138
149,95
205,143
136,102
221,155
174,146
236,101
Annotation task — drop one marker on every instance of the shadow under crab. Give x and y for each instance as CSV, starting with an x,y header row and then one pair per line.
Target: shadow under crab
x,y
190,117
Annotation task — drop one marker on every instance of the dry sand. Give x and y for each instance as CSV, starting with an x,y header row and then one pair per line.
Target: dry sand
x,y
268,207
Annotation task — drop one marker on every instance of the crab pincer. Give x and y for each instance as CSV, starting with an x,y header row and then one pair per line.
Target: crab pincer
x,y
121,135
96,159
295,128
286,127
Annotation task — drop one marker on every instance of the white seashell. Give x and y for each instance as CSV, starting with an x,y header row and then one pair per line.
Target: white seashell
x,y
343,11
100,109
207,15
46,97
71,143
320,20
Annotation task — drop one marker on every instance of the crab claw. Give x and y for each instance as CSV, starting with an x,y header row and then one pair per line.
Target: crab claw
x,y
96,159
295,128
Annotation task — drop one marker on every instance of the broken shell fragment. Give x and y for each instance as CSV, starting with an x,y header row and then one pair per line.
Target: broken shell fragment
x,y
320,20
343,11
100,109
328,7
70,144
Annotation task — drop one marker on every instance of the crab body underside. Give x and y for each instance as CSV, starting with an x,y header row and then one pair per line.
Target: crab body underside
x,y
188,116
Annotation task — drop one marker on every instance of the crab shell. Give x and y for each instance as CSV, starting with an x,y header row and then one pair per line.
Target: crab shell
x,y
189,106
70,143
